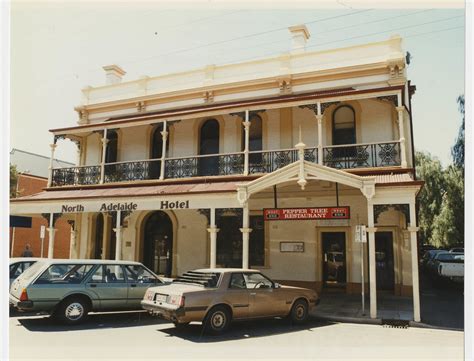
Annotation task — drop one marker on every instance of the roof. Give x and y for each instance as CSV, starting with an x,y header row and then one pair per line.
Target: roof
x,y
395,179
221,270
89,261
34,164
143,191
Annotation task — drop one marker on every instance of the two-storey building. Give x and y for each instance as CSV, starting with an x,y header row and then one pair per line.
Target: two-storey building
x,y
271,164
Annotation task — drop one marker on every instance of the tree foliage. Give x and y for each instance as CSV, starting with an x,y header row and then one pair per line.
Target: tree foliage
x,y
441,200
13,180
429,169
458,149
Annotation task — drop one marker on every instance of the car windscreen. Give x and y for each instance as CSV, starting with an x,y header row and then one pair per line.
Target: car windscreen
x,y
450,257
206,279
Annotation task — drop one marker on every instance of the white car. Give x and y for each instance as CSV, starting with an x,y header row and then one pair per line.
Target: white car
x,y
18,265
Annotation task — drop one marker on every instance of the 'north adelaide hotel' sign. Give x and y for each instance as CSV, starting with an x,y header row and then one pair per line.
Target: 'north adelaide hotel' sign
x,y
300,214
120,206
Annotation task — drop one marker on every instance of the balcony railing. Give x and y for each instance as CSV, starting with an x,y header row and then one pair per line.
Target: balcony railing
x,y
82,175
368,155
205,165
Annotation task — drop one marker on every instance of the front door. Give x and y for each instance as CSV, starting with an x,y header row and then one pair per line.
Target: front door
x,y
385,277
158,243
334,259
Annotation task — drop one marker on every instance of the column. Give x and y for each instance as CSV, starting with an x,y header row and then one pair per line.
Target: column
x,y
72,237
245,236
118,237
401,130
164,134
246,125
50,176
51,231
414,263
373,282
213,234
319,117
102,163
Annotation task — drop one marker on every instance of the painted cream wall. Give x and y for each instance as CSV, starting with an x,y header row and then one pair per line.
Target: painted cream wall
x,y
93,150
134,143
271,129
305,119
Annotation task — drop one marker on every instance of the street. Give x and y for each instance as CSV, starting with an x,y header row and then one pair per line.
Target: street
x,y
136,336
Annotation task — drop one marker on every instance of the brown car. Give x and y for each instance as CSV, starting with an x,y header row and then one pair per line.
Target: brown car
x,y
217,296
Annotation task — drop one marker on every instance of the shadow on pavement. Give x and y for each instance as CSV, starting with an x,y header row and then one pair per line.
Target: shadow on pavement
x,y
243,329
44,323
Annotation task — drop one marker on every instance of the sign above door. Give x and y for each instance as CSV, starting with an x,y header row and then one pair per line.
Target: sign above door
x,y
300,214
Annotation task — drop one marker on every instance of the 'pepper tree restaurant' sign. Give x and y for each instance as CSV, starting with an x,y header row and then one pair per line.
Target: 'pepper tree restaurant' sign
x,y
294,214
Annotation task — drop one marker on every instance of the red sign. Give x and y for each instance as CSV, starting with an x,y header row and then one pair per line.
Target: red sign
x,y
296,214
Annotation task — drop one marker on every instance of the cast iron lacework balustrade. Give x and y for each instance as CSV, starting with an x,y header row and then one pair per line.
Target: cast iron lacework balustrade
x,y
76,175
269,161
207,165
362,155
132,171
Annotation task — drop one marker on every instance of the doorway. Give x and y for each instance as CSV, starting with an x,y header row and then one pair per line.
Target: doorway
x,y
158,243
334,259
384,263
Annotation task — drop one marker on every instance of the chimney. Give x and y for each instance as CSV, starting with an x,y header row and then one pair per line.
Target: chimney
x,y
299,38
113,74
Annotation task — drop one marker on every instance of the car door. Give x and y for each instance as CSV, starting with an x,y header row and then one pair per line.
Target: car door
x,y
237,295
139,279
264,299
109,284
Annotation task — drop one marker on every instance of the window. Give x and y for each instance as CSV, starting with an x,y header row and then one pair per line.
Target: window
x,y
139,274
257,280
237,281
108,274
343,126
209,144
112,144
257,241
64,273
156,151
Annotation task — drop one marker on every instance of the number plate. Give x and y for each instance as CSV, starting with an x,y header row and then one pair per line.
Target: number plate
x,y
160,298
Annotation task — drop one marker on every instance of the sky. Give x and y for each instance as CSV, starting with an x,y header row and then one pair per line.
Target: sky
x,y
59,48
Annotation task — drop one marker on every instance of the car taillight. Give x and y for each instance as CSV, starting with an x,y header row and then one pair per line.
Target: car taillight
x,y
176,300
24,295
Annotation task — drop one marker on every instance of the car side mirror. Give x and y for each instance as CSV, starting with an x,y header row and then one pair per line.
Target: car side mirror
x,y
277,285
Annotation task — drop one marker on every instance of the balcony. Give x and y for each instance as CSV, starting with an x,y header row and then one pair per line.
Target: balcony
x,y
367,155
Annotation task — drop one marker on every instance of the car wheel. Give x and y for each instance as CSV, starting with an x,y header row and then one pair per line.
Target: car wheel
x,y
72,311
217,320
299,311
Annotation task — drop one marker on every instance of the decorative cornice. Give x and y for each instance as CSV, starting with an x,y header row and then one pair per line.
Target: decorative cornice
x,y
390,98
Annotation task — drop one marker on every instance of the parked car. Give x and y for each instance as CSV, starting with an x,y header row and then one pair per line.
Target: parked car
x,y
448,265
18,265
428,258
218,296
68,289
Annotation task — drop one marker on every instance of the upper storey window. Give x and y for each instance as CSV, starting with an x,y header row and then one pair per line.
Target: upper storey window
x,y
111,150
255,134
209,144
343,126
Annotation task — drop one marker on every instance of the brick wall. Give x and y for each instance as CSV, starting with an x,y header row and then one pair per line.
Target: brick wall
x,y
30,185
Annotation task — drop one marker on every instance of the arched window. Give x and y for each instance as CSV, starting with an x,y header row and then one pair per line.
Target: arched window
x,y
111,150
255,134
343,126
209,144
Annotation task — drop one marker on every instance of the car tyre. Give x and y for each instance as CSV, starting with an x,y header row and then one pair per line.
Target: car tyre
x,y
299,312
72,311
217,320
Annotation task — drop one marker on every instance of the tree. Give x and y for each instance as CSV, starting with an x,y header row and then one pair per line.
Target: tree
x,y
431,196
13,181
458,149
448,225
